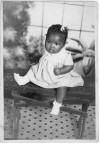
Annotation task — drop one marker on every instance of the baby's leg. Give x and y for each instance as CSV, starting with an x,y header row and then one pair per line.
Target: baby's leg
x,y
22,80
61,93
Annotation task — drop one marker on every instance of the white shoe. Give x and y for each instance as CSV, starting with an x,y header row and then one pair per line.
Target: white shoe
x,y
56,108
21,80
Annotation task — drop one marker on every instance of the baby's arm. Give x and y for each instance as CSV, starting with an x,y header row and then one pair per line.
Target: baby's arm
x,y
67,64
63,70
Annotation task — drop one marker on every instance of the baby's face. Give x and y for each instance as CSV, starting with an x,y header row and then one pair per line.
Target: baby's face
x,y
54,43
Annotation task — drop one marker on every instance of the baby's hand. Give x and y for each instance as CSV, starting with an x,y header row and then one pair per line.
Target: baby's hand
x,y
57,71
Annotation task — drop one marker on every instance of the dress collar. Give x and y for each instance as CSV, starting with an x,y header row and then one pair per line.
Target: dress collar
x,y
51,54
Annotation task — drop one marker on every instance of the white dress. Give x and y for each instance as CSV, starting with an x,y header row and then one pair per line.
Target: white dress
x,y
42,74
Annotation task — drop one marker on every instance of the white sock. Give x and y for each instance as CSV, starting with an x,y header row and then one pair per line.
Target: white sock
x,y
21,80
56,108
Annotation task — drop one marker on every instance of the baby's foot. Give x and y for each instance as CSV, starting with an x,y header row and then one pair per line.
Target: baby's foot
x,y
56,108
21,80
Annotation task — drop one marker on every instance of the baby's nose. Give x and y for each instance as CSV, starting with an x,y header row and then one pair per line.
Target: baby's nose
x,y
52,45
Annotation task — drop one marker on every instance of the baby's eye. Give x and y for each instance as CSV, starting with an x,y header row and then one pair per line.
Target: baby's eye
x,y
56,43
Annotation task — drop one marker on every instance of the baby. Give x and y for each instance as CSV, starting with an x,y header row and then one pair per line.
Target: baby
x,y
55,67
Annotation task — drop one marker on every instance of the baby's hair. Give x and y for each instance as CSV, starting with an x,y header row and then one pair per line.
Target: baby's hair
x,y
57,28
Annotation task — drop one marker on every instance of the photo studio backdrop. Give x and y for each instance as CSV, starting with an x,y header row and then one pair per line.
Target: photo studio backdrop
x,y
26,24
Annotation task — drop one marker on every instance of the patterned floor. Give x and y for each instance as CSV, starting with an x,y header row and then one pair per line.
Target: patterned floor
x,y
36,123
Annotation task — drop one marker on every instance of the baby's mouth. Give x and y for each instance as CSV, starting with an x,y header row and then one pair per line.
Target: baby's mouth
x,y
51,50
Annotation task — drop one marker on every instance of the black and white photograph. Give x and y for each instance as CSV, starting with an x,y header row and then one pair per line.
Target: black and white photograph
x,y
49,70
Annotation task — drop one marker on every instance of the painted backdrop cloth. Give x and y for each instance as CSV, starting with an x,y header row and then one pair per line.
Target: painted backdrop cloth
x,y
42,74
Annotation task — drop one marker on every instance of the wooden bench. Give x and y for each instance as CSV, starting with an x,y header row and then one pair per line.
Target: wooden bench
x,y
31,94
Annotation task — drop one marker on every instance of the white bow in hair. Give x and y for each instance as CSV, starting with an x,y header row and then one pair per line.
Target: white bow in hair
x,y
62,28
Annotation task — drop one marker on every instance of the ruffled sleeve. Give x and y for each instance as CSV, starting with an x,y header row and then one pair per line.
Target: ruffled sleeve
x,y
68,60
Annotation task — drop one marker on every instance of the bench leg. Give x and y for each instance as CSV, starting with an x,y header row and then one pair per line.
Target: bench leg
x,y
15,123
81,122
